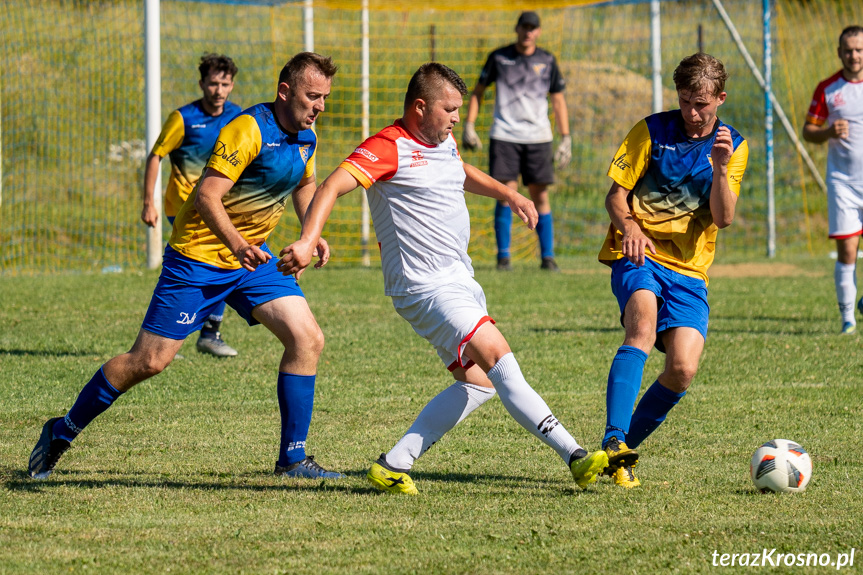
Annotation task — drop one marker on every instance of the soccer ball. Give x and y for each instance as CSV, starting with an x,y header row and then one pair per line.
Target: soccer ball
x,y
781,466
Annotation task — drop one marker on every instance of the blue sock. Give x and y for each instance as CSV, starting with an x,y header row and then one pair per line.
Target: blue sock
x,y
502,228
296,397
624,381
95,398
655,404
218,313
545,231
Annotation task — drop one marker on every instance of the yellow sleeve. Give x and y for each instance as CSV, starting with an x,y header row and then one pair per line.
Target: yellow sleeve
x,y
171,136
737,165
630,161
238,144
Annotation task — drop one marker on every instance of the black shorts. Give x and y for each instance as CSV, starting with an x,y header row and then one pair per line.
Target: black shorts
x,y
533,161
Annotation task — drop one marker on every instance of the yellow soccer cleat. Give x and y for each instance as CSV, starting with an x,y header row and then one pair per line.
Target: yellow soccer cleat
x,y
619,455
386,479
625,477
587,468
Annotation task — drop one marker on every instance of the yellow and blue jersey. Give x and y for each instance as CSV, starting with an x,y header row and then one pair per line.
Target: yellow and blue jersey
x,y
187,137
670,176
266,164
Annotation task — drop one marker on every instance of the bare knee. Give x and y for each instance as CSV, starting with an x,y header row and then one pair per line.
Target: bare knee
x,y
311,344
679,375
641,334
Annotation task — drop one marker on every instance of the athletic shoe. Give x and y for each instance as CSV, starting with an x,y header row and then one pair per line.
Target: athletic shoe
x,y
625,477
548,264
309,468
504,265
47,451
619,455
215,346
848,328
385,478
587,467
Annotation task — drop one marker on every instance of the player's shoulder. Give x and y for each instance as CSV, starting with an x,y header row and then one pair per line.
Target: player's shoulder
x,y
826,83
666,121
232,110
508,52
543,53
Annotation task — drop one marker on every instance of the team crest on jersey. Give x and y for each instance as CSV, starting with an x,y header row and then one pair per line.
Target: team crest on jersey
x,y
538,68
417,159
838,100
304,152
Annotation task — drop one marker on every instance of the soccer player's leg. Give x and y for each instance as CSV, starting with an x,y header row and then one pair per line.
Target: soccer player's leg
x,y
503,165
210,341
158,341
538,175
266,296
637,291
490,351
845,222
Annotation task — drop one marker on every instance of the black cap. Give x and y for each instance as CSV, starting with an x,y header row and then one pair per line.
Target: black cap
x,y
528,19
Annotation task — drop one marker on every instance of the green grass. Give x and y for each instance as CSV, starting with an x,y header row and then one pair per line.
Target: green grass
x,y
176,476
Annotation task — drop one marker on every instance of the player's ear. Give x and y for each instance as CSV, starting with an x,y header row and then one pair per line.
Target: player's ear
x,y
721,97
283,90
420,107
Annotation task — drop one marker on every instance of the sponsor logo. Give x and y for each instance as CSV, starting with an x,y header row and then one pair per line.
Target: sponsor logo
x,y
546,425
506,62
838,100
185,319
538,68
220,150
454,153
664,147
304,152
365,153
621,162
273,144
417,159
198,126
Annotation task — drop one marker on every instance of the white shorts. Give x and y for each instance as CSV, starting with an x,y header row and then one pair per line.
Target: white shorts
x,y
446,317
844,209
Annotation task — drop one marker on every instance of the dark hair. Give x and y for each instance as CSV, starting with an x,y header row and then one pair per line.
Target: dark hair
x,y
700,72
213,63
296,66
850,31
427,81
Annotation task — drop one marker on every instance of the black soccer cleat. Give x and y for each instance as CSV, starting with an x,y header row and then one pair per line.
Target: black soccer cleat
x,y
309,468
47,451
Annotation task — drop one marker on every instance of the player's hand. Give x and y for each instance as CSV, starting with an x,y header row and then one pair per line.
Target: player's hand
x,y
723,147
322,252
524,208
297,257
563,154
635,244
250,257
150,216
841,129
469,138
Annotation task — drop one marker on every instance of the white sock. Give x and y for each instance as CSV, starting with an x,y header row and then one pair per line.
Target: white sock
x,y
528,408
846,289
441,414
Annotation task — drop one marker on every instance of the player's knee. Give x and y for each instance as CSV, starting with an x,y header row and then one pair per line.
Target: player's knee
x,y
150,365
312,342
641,334
680,376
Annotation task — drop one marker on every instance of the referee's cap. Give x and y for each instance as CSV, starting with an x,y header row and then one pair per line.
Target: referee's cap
x,y
528,19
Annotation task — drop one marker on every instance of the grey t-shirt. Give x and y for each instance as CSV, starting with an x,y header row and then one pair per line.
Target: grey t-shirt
x,y
521,103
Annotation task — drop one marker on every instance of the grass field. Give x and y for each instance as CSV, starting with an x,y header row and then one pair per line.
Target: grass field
x,y
176,477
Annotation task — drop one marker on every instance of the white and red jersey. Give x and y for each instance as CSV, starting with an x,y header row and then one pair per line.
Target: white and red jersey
x,y
838,99
416,199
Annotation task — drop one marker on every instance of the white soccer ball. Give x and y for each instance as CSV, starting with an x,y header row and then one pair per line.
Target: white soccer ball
x,y
781,466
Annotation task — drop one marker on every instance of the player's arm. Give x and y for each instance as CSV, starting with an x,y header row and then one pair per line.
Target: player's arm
x,y
297,256
170,138
301,198
208,202
470,139
479,183
723,200
634,243
563,154
149,214
816,134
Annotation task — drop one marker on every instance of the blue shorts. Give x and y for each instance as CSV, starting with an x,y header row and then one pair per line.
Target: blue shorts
x,y
188,291
682,299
